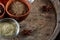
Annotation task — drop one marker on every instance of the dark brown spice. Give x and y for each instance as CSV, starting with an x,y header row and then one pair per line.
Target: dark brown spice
x,y
26,32
46,8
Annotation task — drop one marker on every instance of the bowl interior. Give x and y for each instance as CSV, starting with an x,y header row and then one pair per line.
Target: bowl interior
x,y
25,3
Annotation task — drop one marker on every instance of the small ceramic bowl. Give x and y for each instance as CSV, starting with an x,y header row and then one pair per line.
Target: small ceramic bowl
x,y
17,27
21,17
2,15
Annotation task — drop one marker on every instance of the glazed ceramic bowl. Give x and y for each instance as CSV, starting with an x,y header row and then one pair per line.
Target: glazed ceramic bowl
x,y
17,27
21,17
2,15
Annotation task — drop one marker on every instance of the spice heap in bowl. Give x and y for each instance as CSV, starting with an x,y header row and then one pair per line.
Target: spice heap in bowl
x,y
18,9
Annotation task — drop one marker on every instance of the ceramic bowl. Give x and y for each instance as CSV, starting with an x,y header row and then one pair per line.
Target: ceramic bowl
x,y
21,17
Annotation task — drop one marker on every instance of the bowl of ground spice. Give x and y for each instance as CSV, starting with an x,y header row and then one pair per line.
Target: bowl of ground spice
x,y
9,28
18,9
2,10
